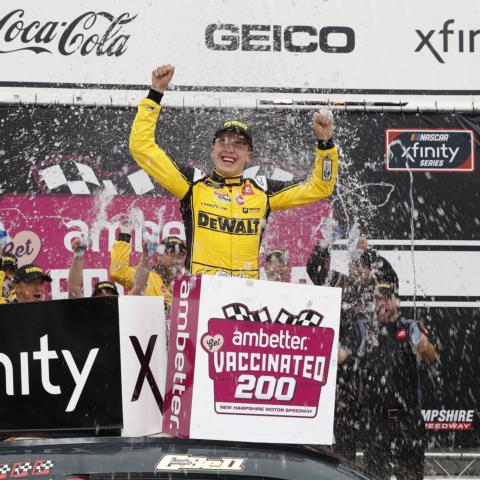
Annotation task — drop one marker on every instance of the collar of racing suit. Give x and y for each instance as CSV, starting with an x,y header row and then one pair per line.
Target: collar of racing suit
x,y
226,180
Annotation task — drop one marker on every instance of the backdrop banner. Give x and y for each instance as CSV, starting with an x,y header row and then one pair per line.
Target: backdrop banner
x,y
295,46
409,181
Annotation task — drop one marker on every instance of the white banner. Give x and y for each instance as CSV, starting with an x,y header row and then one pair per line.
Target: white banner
x,y
258,355
143,353
294,46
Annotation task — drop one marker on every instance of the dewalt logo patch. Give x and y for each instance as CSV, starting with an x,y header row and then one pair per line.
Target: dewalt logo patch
x,y
235,226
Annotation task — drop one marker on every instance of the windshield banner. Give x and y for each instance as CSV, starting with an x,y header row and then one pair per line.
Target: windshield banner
x,y
260,354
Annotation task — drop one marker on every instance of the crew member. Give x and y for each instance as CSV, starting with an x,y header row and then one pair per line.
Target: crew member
x,y
388,354
8,266
357,294
29,283
277,265
168,265
225,213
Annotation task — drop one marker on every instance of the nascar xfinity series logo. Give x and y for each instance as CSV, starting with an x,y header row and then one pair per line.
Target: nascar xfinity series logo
x,y
430,150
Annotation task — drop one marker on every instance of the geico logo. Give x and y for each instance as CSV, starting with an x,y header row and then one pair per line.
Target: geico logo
x,y
275,38
44,355
237,226
187,462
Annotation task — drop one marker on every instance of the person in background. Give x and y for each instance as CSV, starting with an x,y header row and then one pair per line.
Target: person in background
x,y
387,355
8,266
357,294
29,281
75,275
164,266
277,265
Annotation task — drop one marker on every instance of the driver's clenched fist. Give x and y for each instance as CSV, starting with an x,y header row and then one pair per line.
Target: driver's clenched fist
x,y
323,124
161,77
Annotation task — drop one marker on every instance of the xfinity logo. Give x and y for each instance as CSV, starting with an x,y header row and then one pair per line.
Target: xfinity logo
x,y
100,33
44,356
275,38
447,39
440,150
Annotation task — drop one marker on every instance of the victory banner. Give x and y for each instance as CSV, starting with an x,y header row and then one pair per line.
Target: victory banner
x,y
260,354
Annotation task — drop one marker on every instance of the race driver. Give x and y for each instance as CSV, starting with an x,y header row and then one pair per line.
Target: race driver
x,y
225,213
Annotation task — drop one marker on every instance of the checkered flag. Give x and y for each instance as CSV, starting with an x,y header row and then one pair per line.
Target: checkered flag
x,y
4,471
285,317
69,176
236,311
239,311
309,318
306,318
261,315
21,469
42,467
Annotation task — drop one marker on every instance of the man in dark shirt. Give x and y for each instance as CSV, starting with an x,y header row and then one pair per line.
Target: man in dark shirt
x,y
357,294
387,359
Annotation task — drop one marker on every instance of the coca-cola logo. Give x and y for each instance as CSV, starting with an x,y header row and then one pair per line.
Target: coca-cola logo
x,y
100,33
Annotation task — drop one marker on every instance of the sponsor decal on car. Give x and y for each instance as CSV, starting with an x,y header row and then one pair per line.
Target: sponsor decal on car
x,y
188,462
448,419
430,150
25,469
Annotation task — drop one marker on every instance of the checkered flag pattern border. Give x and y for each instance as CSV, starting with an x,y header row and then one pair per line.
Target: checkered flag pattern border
x,y
239,311
4,470
236,311
21,469
81,179
285,317
42,467
309,318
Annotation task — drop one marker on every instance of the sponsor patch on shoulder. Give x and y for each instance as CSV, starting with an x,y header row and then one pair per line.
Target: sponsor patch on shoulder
x,y
327,169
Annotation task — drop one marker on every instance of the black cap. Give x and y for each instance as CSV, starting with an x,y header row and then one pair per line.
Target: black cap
x,y
386,279
29,273
104,285
10,261
173,243
237,127
277,253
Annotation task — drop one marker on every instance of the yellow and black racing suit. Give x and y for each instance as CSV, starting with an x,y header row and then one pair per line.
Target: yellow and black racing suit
x,y
224,217
122,273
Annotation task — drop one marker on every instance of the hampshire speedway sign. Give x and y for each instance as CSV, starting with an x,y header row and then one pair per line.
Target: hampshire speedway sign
x,y
261,355
85,364
293,46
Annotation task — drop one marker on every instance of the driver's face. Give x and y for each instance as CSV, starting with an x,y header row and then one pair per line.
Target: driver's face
x,y
230,153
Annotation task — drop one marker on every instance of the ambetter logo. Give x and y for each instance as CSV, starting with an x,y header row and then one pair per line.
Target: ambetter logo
x,y
100,33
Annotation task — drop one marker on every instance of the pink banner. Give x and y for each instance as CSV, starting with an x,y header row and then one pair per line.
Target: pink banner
x,y
42,227
181,356
267,368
